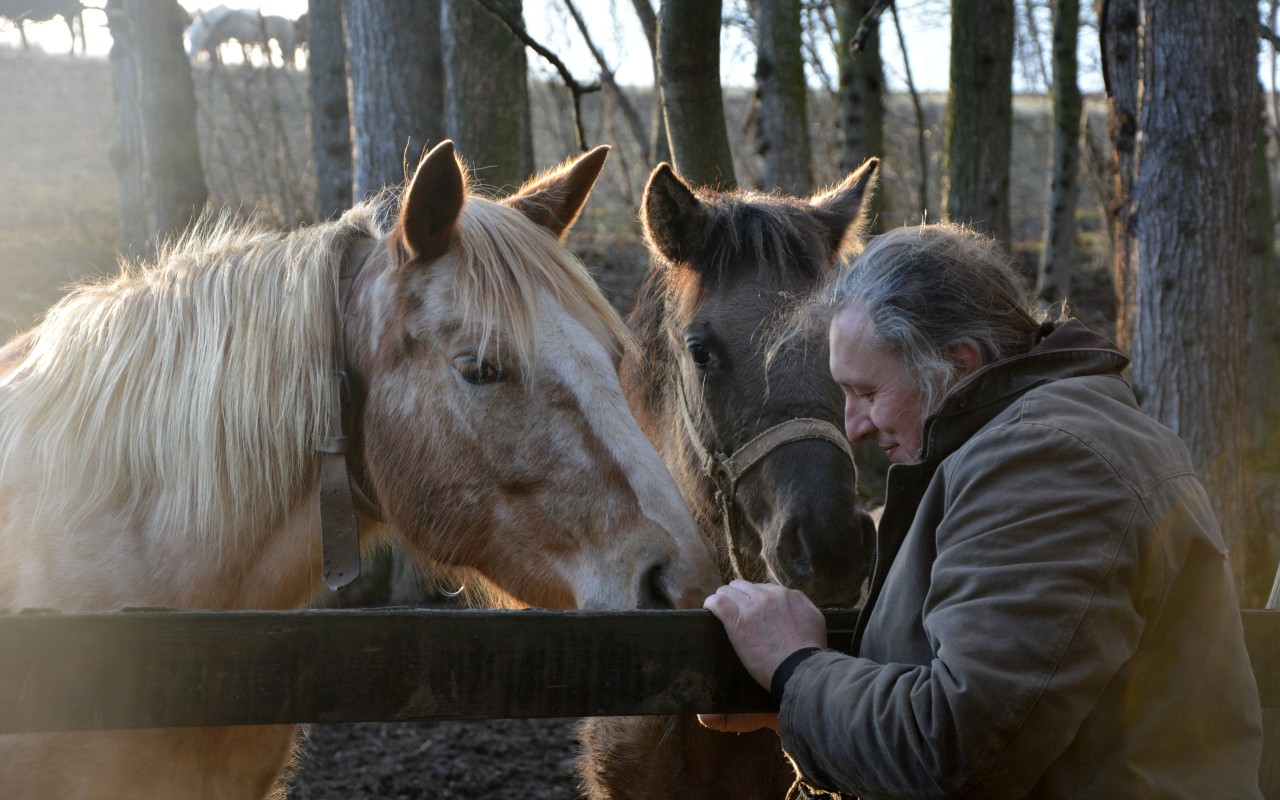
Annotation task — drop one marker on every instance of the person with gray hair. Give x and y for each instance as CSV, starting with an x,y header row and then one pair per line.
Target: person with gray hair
x,y
1051,612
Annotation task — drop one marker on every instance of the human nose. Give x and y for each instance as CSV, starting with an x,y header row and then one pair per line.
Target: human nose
x,y
857,422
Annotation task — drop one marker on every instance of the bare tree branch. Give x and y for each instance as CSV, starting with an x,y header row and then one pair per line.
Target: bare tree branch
x,y
649,22
1266,34
606,77
868,23
516,26
814,19
921,148
1033,33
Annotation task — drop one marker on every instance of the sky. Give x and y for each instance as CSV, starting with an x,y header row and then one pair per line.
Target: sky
x,y
614,27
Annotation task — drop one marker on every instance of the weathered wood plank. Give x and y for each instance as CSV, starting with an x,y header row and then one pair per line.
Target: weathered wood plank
x,y
184,668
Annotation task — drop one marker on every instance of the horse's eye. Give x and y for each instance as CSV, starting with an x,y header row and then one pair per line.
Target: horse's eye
x,y
478,372
700,355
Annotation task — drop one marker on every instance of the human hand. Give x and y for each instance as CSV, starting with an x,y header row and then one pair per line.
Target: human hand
x,y
766,623
738,723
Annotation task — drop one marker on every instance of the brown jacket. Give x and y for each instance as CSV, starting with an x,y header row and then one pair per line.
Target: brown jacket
x,y
1052,614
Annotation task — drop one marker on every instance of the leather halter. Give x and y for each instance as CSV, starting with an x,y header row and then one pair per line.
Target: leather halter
x,y
340,496
726,471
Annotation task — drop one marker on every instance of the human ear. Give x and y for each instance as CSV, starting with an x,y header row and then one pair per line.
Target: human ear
x,y
966,357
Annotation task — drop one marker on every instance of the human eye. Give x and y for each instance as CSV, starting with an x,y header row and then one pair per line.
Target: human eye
x,y
859,394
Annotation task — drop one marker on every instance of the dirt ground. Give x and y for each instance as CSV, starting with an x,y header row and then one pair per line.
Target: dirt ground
x,y
526,759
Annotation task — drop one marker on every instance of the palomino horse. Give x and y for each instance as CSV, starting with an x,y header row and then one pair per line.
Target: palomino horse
x,y
746,414
160,441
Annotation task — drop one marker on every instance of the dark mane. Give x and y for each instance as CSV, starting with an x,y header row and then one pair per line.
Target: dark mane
x,y
644,373
778,234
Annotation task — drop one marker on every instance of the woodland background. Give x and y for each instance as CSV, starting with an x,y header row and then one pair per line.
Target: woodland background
x,y
1148,207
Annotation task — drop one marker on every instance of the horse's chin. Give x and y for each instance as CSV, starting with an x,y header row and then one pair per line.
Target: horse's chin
x,y
841,594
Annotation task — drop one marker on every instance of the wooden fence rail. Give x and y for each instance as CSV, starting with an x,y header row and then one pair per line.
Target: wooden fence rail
x,y
156,668
163,668
160,668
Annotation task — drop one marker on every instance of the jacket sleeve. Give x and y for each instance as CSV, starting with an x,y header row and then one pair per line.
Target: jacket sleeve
x,y
1032,607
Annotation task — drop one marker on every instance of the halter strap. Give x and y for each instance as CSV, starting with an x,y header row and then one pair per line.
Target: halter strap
x,y
725,471
339,522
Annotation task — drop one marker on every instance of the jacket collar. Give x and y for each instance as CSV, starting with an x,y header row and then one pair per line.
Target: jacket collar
x,y
1070,350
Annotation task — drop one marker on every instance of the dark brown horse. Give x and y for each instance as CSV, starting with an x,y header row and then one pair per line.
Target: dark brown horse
x,y
750,423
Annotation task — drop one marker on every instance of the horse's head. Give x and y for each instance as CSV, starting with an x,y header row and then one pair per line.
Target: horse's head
x,y
731,269
491,420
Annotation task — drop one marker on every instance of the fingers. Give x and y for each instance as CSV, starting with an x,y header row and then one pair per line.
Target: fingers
x,y
728,602
738,723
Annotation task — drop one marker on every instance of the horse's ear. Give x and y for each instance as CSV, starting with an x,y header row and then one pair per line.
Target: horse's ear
x,y
555,198
844,207
672,215
431,205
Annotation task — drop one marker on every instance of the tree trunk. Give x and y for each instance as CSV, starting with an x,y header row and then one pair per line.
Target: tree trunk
x,y
1263,370
1056,261
397,86
1196,126
659,149
980,116
486,92
780,87
330,115
1118,32
861,100
157,106
692,103
126,151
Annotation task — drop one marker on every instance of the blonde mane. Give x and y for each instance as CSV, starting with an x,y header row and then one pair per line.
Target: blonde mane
x,y
504,261
189,392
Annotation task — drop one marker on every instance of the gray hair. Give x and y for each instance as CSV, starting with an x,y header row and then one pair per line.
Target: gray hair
x,y
927,288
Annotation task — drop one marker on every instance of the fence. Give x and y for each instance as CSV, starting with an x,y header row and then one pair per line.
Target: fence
x,y
161,668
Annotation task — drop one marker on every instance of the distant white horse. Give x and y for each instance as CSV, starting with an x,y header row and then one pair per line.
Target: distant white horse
x,y
253,31
20,12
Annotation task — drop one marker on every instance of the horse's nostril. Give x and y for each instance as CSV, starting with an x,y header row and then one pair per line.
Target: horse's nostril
x,y
793,556
653,591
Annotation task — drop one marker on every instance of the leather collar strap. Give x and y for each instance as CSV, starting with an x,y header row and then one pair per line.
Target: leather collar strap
x,y
339,522
727,470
